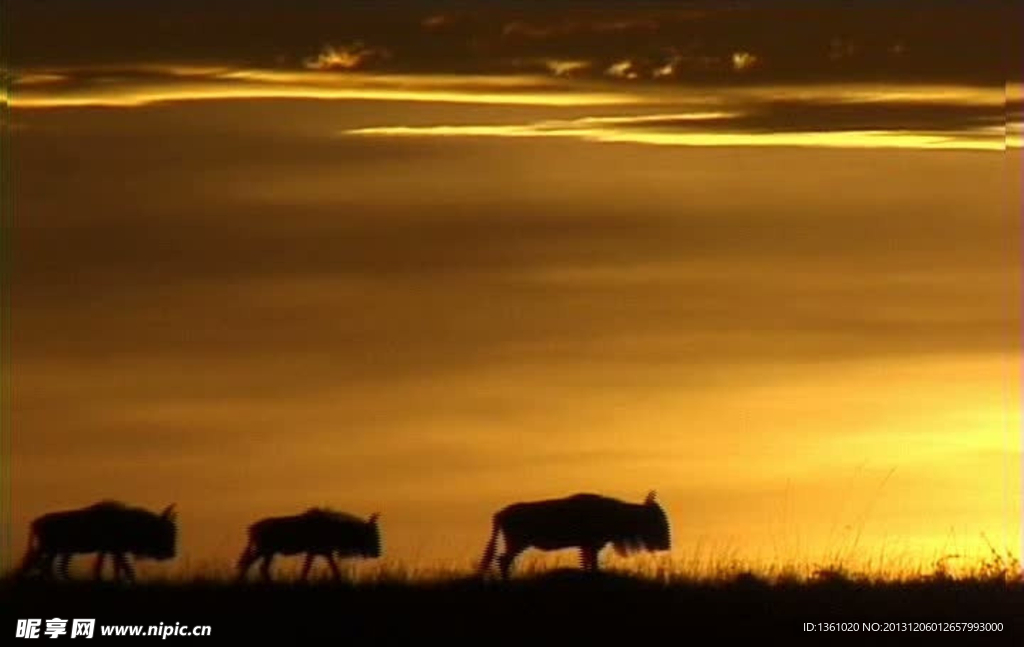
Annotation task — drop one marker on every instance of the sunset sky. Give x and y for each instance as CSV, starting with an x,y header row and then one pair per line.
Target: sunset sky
x,y
431,259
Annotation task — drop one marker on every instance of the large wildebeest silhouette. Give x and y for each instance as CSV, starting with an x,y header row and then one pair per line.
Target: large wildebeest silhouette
x,y
315,532
585,521
107,528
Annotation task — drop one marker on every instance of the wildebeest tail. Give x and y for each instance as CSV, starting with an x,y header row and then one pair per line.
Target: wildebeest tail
x,y
492,545
31,553
246,557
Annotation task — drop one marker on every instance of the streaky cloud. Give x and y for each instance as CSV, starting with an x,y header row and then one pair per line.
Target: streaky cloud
x,y
836,139
143,86
670,130
334,75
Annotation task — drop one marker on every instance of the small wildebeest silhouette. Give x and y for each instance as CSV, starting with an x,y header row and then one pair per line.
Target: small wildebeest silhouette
x,y
315,532
107,528
585,521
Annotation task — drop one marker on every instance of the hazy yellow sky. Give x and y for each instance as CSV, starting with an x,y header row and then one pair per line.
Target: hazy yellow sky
x,y
790,305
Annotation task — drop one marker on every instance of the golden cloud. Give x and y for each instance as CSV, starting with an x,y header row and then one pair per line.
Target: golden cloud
x,y
350,57
566,68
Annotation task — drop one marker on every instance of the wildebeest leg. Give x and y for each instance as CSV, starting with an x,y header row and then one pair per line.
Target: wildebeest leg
x,y
30,561
588,558
505,561
115,559
124,565
334,566
65,560
265,567
245,561
97,569
46,565
243,567
306,566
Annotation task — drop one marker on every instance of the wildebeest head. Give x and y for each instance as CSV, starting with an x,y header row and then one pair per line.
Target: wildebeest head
x,y
654,524
156,536
348,534
371,544
649,528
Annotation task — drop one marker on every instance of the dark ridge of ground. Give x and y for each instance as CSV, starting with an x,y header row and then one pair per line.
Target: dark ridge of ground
x,y
538,609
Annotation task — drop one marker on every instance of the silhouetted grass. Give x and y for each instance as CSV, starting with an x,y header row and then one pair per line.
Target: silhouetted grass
x,y
653,600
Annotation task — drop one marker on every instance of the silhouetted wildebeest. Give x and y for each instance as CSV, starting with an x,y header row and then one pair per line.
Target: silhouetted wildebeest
x,y
584,521
315,532
107,528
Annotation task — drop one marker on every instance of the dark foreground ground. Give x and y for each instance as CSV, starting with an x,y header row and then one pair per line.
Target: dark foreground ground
x,y
542,609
